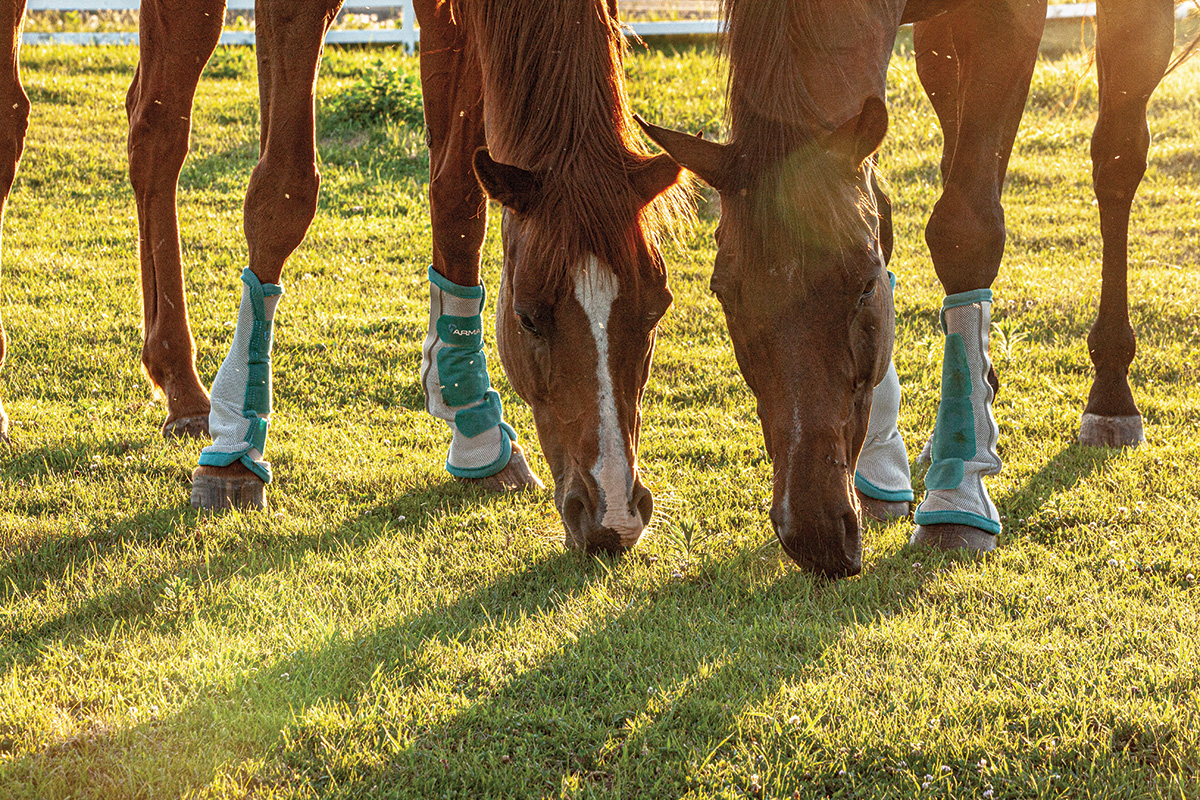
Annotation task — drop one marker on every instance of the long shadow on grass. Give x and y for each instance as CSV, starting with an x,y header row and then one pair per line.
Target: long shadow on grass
x,y
1069,466
253,553
433,707
79,458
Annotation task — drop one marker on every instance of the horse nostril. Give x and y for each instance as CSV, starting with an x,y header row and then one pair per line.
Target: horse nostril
x,y
852,542
644,502
575,516
776,517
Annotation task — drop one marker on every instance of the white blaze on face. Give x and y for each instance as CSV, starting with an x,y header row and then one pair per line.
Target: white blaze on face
x,y
596,288
793,455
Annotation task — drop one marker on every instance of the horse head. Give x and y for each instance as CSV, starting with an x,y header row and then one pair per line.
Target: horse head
x,y
800,275
575,325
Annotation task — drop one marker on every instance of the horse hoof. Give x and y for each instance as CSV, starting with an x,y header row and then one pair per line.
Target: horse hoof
x,y
515,477
948,536
224,488
195,427
1099,431
881,510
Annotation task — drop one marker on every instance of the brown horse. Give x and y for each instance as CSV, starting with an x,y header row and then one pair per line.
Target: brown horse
x,y
177,38
533,95
806,90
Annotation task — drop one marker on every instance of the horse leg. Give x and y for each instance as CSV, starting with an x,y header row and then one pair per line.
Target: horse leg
x,y
882,482
159,106
281,202
14,120
1133,45
993,48
483,448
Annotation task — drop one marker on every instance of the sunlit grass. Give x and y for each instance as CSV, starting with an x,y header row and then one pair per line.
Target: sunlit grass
x,y
383,631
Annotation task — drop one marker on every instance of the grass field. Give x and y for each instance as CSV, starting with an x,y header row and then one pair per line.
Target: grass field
x,y
386,632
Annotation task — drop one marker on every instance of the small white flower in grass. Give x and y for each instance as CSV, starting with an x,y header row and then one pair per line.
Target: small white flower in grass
x,y
988,794
794,720
945,770
1112,562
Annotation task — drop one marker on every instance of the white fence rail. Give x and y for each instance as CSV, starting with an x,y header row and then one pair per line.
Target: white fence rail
x,y
405,33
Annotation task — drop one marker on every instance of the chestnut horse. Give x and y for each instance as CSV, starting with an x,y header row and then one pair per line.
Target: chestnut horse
x,y
532,92
800,255
584,283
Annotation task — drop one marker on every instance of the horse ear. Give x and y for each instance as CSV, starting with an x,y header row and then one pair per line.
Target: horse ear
x,y
859,138
654,177
512,186
706,159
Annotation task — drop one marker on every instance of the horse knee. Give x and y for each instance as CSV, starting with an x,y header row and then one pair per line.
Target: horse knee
x,y
280,205
158,145
1112,343
966,239
1119,160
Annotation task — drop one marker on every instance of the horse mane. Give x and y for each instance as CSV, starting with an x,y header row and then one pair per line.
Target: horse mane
x,y
778,132
554,83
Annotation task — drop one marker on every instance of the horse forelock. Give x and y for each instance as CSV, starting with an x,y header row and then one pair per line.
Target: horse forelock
x,y
554,84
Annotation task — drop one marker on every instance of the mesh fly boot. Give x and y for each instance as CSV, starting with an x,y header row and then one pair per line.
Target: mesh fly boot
x,y
882,477
457,389
957,511
241,407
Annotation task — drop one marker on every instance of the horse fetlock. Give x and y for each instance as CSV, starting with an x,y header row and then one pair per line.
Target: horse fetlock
x,y
241,395
1112,346
1111,395
963,447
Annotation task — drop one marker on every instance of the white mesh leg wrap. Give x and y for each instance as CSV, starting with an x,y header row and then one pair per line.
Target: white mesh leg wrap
x,y
964,440
241,393
454,378
882,471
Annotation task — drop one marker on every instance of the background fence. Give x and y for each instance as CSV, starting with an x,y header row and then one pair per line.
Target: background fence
x,y
405,32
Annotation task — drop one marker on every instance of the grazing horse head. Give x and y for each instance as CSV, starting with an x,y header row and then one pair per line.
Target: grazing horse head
x,y
575,328
584,284
800,275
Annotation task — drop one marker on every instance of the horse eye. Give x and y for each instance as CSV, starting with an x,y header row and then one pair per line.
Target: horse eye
x,y
527,323
868,291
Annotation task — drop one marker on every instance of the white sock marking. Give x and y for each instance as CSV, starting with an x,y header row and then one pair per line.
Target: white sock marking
x,y
596,288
